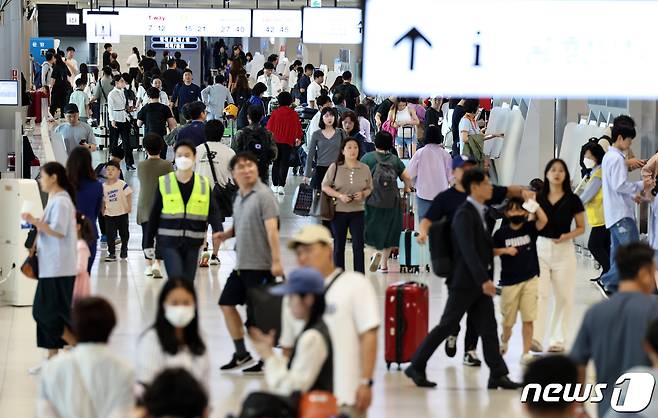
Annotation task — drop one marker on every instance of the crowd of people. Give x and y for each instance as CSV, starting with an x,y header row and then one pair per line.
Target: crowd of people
x,y
359,155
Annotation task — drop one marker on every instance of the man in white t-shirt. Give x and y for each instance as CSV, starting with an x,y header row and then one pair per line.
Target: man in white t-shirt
x,y
352,316
271,80
315,89
72,64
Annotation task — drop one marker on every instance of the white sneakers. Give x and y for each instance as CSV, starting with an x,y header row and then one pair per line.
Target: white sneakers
x,y
374,262
278,190
526,359
153,271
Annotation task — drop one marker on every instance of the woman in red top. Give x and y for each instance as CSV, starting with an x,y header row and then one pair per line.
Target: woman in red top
x,y
286,128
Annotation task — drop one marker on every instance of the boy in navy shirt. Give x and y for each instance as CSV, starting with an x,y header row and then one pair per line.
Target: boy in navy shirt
x,y
515,243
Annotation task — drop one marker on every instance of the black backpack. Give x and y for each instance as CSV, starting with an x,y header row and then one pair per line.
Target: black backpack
x,y
268,405
385,193
441,251
256,141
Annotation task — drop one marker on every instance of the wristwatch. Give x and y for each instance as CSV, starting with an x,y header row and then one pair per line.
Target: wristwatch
x,y
367,382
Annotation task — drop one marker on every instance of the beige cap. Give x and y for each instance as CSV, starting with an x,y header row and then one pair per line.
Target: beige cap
x,y
311,234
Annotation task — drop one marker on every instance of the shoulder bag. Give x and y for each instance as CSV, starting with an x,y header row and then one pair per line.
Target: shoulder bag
x,y
222,195
30,267
324,206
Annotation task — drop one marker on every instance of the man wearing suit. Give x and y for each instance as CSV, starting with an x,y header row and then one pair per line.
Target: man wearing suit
x,y
471,288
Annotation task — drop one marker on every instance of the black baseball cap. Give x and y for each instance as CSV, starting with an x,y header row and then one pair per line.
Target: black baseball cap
x,y
71,108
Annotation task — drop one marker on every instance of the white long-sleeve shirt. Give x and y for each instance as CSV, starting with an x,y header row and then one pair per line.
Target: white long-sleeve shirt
x,y
132,61
116,105
618,192
310,355
152,359
88,381
273,84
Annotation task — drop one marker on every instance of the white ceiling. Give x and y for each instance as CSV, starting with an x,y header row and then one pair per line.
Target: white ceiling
x,y
241,4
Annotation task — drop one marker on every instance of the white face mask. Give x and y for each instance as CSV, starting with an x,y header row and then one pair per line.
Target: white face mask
x,y
589,163
179,316
184,163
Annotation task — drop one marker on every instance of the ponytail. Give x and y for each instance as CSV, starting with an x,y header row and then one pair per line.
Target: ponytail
x,y
55,168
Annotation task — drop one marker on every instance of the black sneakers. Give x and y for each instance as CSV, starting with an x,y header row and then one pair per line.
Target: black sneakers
x,y
237,362
471,359
451,346
255,369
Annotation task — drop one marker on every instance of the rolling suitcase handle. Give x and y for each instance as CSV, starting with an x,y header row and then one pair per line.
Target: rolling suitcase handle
x,y
400,327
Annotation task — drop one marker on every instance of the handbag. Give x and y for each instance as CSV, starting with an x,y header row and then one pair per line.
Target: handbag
x,y
223,196
318,404
325,205
30,267
387,126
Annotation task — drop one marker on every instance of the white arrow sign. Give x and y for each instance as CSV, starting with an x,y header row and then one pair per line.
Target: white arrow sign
x,y
529,48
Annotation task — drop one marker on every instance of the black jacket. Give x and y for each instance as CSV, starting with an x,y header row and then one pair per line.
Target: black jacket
x,y
473,249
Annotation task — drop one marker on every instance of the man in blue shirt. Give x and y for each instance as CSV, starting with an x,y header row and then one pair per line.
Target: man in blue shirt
x,y
184,93
194,131
619,196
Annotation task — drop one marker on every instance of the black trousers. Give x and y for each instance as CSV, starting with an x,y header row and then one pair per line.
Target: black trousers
x,y
52,310
112,225
280,166
482,308
599,245
122,130
149,244
354,221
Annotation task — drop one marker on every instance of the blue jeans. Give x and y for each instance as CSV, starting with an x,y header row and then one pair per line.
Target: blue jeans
x,y
180,262
623,232
422,206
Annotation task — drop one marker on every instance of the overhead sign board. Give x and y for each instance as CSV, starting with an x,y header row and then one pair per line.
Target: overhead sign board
x,y
539,48
277,23
333,25
102,27
175,42
181,22
73,19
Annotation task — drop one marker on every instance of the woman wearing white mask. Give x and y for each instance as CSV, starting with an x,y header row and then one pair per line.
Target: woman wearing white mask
x,y
174,340
181,212
592,198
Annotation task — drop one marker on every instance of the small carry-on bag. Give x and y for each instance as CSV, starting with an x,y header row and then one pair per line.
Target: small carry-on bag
x,y
411,254
303,200
405,321
318,404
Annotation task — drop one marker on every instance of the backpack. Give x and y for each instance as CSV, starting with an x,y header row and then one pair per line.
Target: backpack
x,y
256,141
385,192
441,251
268,405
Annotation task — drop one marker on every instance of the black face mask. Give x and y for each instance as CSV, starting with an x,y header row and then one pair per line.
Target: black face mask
x,y
518,219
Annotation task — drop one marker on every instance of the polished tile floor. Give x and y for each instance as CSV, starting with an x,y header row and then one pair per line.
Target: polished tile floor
x,y
461,391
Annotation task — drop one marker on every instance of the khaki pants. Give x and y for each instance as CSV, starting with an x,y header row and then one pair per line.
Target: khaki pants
x,y
557,265
520,297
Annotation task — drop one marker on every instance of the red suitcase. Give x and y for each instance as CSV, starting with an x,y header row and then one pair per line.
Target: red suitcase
x,y
407,212
405,320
